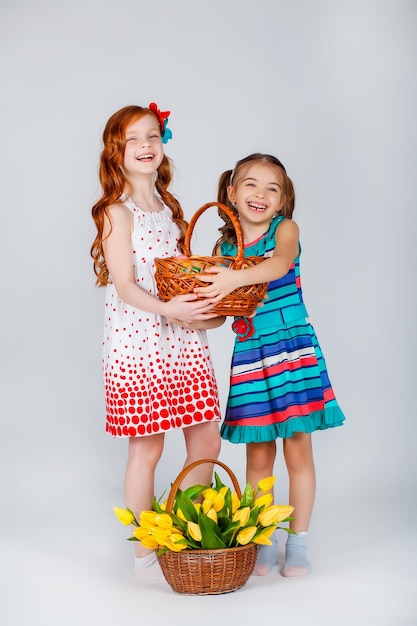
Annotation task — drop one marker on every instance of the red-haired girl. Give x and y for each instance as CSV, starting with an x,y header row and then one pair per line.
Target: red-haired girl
x,y
158,375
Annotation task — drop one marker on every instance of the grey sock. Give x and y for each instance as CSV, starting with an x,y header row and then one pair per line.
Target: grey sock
x,y
296,562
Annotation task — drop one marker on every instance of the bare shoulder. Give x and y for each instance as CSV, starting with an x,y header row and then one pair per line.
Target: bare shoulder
x,y
118,217
288,229
119,211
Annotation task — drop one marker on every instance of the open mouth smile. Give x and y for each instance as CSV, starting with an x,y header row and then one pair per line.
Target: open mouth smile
x,y
257,206
145,157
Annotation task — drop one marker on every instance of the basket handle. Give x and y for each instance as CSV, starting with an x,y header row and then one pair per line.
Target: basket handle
x,y
177,482
236,225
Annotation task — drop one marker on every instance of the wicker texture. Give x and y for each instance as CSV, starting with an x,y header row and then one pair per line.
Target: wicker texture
x,y
179,275
207,572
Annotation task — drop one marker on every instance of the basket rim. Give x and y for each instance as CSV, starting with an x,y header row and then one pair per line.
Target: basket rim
x,y
251,544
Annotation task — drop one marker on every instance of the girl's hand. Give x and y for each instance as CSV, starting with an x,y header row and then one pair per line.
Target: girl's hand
x,y
223,281
189,308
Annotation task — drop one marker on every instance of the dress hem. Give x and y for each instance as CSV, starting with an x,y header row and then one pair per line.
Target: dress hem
x,y
330,417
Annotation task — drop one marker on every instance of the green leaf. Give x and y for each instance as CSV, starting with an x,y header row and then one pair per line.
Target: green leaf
x,y
253,516
195,491
224,522
191,543
230,534
247,496
132,539
186,505
160,497
135,521
211,538
178,522
156,506
228,503
219,483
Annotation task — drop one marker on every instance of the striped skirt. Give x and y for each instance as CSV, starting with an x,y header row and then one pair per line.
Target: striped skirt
x,y
279,385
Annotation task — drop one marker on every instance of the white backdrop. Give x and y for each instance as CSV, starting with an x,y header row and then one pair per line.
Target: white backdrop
x,y
327,86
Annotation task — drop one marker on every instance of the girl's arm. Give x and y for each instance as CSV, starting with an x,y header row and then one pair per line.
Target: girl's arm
x,y
204,325
224,280
117,249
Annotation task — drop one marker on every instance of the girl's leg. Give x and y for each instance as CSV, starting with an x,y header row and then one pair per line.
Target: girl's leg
x,y
143,456
260,459
298,454
201,442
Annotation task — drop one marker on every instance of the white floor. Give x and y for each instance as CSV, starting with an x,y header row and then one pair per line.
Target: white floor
x,y
67,570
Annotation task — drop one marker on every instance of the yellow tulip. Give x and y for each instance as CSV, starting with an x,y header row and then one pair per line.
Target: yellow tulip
x,y
209,493
176,536
197,506
147,519
274,514
150,542
140,533
241,516
264,537
206,506
265,500
163,520
266,484
172,542
181,515
194,531
212,515
161,535
223,491
123,515
235,502
218,502
246,535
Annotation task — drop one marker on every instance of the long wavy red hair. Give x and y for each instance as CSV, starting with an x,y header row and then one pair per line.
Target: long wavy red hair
x,y
114,183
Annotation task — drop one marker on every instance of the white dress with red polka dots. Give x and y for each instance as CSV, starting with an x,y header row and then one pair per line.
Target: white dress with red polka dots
x,y
157,376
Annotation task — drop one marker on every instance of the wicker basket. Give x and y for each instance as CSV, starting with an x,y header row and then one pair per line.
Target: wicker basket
x,y
179,275
207,572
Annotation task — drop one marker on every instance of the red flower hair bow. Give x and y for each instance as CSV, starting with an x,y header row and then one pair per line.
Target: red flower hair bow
x,y
162,116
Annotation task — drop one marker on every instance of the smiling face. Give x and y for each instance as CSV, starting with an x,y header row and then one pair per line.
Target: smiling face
x,y
144,151
257,192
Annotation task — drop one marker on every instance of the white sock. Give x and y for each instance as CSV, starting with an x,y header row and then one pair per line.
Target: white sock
x,y
148,568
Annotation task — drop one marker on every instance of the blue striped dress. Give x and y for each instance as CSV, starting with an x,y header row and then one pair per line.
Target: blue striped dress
x,y
279,383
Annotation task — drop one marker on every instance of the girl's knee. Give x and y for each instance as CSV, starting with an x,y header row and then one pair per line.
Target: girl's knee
x,y
298,452
203,441
213,448
147,450
260,456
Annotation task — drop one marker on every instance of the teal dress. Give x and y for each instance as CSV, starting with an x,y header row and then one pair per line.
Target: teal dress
x,y
279,384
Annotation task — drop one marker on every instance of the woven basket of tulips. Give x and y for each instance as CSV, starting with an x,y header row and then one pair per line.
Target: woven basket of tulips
x,y
207,538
